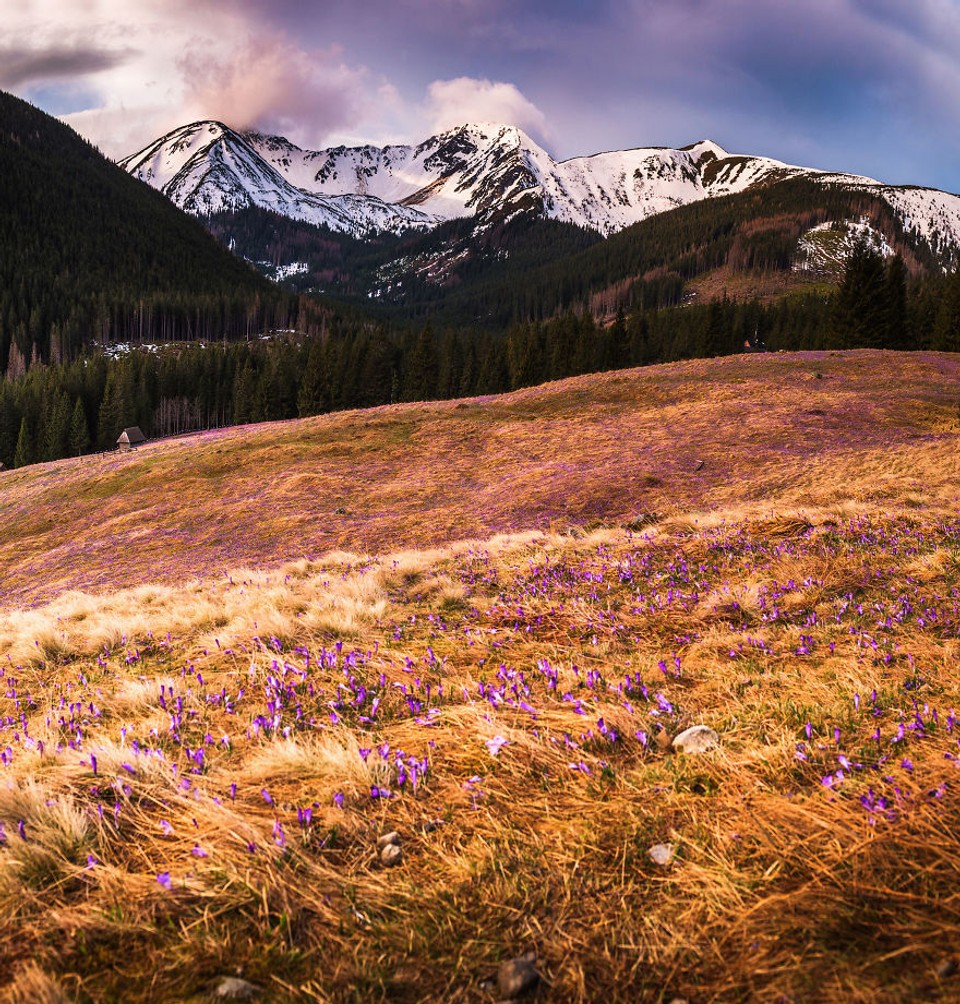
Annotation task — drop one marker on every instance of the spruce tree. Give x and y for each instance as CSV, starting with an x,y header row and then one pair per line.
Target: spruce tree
x,y
57,432
422,369
23,454
310,395
859,316
946,326
79,436
894,333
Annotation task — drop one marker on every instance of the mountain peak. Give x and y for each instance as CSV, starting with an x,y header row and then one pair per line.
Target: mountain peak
x,y
705,147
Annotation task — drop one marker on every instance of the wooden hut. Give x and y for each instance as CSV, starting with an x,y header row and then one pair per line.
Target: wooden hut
x,y
130,438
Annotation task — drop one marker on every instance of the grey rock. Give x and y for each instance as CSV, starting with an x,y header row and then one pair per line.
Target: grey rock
x,y
391,855
232,988
696,739
662,854
516,977
387,839
641,520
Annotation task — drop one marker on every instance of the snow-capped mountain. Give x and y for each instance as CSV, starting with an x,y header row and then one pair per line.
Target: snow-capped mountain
x,y
475,170
207,168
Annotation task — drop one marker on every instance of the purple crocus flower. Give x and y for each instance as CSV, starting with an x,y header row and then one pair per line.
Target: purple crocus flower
x,y
164,879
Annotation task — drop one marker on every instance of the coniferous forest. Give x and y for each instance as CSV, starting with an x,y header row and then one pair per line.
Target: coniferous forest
x,y
90,256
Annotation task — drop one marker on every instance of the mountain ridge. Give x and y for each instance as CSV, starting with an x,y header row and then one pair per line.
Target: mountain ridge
x,y
480,170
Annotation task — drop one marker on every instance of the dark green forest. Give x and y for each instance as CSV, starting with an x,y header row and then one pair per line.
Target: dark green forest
x,y
90,255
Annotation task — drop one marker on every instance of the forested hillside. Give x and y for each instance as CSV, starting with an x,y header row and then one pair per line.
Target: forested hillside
x,y
87,254
519,268
90,257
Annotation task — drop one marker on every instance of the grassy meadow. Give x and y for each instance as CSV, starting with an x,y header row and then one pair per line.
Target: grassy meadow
x,y
230,663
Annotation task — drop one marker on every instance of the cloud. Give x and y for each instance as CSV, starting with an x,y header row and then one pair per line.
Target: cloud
x,y
20,67
271,84
865,85
466,99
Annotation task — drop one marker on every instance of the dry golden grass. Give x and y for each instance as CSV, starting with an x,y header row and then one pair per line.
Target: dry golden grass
x,y
597,448
198,755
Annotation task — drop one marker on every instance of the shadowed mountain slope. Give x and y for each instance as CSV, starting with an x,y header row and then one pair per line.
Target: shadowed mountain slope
x,y
87,251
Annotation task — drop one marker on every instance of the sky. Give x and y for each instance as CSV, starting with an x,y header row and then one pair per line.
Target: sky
x,y
863,86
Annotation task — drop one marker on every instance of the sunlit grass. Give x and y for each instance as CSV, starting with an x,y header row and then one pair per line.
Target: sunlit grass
x,y
194,773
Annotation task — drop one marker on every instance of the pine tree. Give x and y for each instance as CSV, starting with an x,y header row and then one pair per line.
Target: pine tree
x,y
310,395
894,333
57,432
859,316
946,327
23,454
79,436
422,369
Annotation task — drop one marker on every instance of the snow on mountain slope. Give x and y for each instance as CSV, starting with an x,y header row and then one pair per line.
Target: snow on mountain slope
x,y
457,173
474,170
207,168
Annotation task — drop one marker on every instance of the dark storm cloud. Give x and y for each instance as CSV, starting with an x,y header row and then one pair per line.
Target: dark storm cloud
x,y
19,67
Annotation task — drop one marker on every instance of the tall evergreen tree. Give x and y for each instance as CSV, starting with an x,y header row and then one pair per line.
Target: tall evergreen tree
x,y
894,331
859,316
423,369
311,399
57,431
946,326
79,435
23,454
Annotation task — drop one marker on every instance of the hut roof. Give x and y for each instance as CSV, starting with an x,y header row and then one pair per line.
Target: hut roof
x,y
131,437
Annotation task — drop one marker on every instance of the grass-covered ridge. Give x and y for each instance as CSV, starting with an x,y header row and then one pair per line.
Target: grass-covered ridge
x,y
195,772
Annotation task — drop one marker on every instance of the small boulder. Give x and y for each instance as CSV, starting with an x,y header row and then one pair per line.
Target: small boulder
x,y
662,854
696,739
516,977
391,855
232,988
387,839
636,523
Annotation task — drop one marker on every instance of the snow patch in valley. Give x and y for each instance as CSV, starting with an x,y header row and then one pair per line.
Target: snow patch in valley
x,y
826,247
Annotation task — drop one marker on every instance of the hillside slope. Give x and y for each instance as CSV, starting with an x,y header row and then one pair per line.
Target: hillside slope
x,y
199,776
594,448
